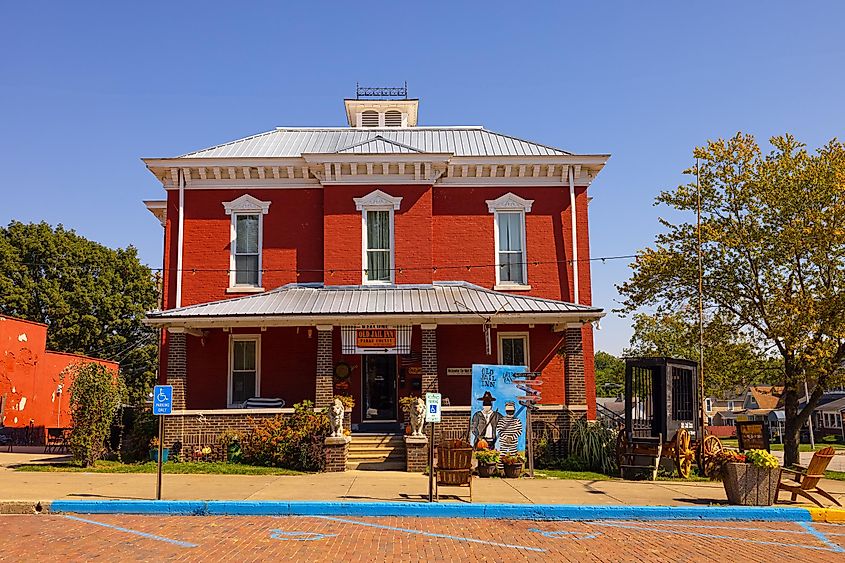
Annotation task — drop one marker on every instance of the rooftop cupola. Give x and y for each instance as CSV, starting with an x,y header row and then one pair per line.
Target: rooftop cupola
x,y
381,107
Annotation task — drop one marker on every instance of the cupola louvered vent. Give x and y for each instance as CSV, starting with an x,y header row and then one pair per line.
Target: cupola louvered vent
x,y
393,118
369,118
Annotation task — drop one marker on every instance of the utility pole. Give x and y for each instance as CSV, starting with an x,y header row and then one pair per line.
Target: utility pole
x,y
700,307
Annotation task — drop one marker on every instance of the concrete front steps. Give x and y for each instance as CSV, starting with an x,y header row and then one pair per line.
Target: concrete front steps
x,y
377,452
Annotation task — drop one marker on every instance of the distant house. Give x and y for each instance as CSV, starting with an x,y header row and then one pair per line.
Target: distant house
x,y
32,392
756,403
827,416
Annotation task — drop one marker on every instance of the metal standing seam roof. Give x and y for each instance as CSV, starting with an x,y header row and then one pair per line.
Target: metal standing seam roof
x,y
286,142
439,298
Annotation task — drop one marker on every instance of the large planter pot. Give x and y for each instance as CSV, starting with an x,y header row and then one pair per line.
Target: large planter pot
x,y
165,452
512,470
749,485
487,469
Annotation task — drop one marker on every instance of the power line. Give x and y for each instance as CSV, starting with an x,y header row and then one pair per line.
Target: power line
x,y
435,268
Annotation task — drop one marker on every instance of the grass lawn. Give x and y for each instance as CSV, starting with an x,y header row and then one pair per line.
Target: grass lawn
x,y
733,444
835,475
213,468
576,475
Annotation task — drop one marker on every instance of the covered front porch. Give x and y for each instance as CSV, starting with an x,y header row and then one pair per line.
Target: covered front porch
x,y
375,344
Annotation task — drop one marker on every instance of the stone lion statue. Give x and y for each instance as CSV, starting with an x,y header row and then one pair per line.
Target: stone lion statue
x,y
417,416
336,418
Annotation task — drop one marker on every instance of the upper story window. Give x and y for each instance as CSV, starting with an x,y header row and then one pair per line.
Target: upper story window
x,y
378,253
510,241
708,404
245,243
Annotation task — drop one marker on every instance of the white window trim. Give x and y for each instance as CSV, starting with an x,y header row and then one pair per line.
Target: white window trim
x,y
708,405
524,335
243,337
377,200
245,205
510,203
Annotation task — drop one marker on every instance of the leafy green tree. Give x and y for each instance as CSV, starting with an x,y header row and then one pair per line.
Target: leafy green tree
x,y
610,374
93,298
732,359
95,396
774,258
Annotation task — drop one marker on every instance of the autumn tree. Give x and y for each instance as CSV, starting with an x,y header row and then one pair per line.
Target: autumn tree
x,y
92,298
773,246
732,359
610,374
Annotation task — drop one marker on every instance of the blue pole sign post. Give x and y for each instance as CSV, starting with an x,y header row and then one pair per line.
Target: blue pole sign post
x,y
162,406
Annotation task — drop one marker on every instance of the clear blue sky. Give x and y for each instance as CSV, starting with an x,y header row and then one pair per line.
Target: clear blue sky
x,y
89,89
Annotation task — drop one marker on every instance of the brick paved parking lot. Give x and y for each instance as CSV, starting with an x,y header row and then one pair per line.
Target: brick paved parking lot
x,y
252,538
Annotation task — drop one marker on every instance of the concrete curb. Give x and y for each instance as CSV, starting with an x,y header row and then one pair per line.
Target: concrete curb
x,y
23,507
829,515
436,510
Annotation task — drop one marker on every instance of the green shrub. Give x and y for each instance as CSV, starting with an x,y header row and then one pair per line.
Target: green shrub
x,y
95,396
595,445
136,440
295,442
830,439
487,456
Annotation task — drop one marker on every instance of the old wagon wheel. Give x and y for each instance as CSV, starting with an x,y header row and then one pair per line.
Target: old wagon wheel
x,y
709,448
684,454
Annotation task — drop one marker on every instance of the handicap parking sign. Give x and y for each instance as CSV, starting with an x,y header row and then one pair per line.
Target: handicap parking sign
x,y
163,399
432,402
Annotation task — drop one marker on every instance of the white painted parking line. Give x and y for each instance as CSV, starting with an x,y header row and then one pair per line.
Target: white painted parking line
x,y
428,534
128,531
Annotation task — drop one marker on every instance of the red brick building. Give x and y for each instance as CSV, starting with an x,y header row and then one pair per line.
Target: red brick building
x,y
377,260
32,389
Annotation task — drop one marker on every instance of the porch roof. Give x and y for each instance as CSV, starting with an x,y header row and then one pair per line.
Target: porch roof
x,y
316,304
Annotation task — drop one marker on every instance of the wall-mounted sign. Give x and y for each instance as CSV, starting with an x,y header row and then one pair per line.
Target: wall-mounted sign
x,y
375,338
458,371
415,370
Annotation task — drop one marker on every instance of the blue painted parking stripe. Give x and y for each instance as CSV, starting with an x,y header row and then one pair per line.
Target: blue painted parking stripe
x,y
642,528
135,532
821,537
428,534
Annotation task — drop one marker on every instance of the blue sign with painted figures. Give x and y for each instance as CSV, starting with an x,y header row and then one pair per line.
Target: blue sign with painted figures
x,y
163,399
497,415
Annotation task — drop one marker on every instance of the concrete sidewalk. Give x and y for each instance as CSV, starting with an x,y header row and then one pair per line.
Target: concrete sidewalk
x,y
365,486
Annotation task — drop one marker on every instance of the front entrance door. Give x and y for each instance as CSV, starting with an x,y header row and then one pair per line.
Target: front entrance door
x,y
379,387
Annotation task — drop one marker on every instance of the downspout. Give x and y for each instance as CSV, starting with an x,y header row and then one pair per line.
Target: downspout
x,y
180,239
574,235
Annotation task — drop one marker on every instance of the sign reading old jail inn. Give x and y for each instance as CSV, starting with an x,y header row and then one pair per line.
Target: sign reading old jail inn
x,y
382,254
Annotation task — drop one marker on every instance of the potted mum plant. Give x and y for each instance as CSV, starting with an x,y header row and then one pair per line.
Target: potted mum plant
x,y
512,465
488,461
165,452
750,479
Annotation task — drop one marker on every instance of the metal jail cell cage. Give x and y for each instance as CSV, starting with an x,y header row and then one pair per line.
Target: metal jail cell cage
x,y
661,397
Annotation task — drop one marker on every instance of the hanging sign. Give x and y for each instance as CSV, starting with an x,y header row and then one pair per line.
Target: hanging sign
x,y
375,338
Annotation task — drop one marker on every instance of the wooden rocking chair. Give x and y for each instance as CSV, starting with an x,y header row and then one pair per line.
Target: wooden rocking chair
x,y
806,481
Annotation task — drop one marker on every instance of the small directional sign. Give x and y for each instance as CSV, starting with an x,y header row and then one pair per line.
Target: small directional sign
x,y
432,407
163,399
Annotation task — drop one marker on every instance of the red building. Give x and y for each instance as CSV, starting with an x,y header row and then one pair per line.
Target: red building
x,y
31,386
377,260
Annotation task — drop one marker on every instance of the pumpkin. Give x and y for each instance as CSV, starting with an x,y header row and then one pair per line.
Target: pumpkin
x,y
481,444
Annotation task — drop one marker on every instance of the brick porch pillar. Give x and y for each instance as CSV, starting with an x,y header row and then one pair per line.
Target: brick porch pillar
x,y
575,390
177,368
429,359
325,390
